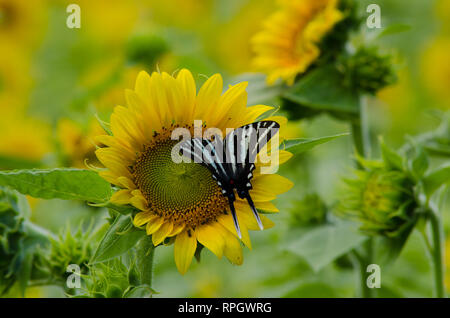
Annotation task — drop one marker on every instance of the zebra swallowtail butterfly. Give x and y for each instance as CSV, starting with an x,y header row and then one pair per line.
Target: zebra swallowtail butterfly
x,y
231,161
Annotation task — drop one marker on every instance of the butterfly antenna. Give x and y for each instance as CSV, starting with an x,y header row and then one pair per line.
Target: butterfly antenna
x,y
235,219
255,213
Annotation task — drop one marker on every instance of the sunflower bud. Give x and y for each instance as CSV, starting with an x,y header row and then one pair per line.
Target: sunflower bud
x,y
367,70
310,210
146,49
381,197
68,249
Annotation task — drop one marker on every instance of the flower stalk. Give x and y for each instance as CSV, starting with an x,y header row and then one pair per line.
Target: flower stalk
x,y
361,142
436,252
145,254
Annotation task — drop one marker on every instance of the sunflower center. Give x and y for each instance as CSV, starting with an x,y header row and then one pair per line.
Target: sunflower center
x,y
182,192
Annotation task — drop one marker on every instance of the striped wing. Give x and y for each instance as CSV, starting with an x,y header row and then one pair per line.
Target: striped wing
x,y
243,144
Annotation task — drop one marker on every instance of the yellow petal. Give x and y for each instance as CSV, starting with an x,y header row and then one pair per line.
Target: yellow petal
x,y
162,233
235,96
139,202
227,222
145,118
177,228
121,197
246,216
267,186
126,183
109,176
233,249
284,156
154,225
188,92
211,239
142,87
208,96
143,217
175,101
159,99
184,250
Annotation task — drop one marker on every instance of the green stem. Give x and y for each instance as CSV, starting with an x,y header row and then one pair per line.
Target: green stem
x,y
39,232
436,253
361,142
360,131
145,253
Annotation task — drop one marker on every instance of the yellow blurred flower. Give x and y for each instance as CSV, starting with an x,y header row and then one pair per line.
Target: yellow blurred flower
x,y
23,137
442,9
436,69
109,22
15,81
209,285
447,263
229,41
21,22
182,200
185,14
78,144
288,43
397,97
113,96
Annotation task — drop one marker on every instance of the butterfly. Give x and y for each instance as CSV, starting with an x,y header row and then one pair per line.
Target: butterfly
x,y
231,161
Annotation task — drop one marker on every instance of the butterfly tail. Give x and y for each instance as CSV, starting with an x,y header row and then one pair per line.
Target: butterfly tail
x,y
235,219
255,213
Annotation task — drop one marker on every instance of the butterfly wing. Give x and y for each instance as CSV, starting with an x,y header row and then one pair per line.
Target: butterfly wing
x,y
232,160
242,146
210,154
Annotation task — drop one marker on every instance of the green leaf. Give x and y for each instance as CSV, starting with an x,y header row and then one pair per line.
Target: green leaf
x,y
324,89
391,158
66,184
322,245
120,237
144,260
437,148
435,179
300,145
394,29
419,163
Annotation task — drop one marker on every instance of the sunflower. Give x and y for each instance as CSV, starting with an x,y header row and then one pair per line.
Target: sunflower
x,y
288,43
181,201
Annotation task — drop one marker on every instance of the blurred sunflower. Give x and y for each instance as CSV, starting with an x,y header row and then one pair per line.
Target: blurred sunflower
x,y
78,144
447,262
109,22
221,41
184,14
182,200
30,142
442,10
288,43
21,22
14,82
436,69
